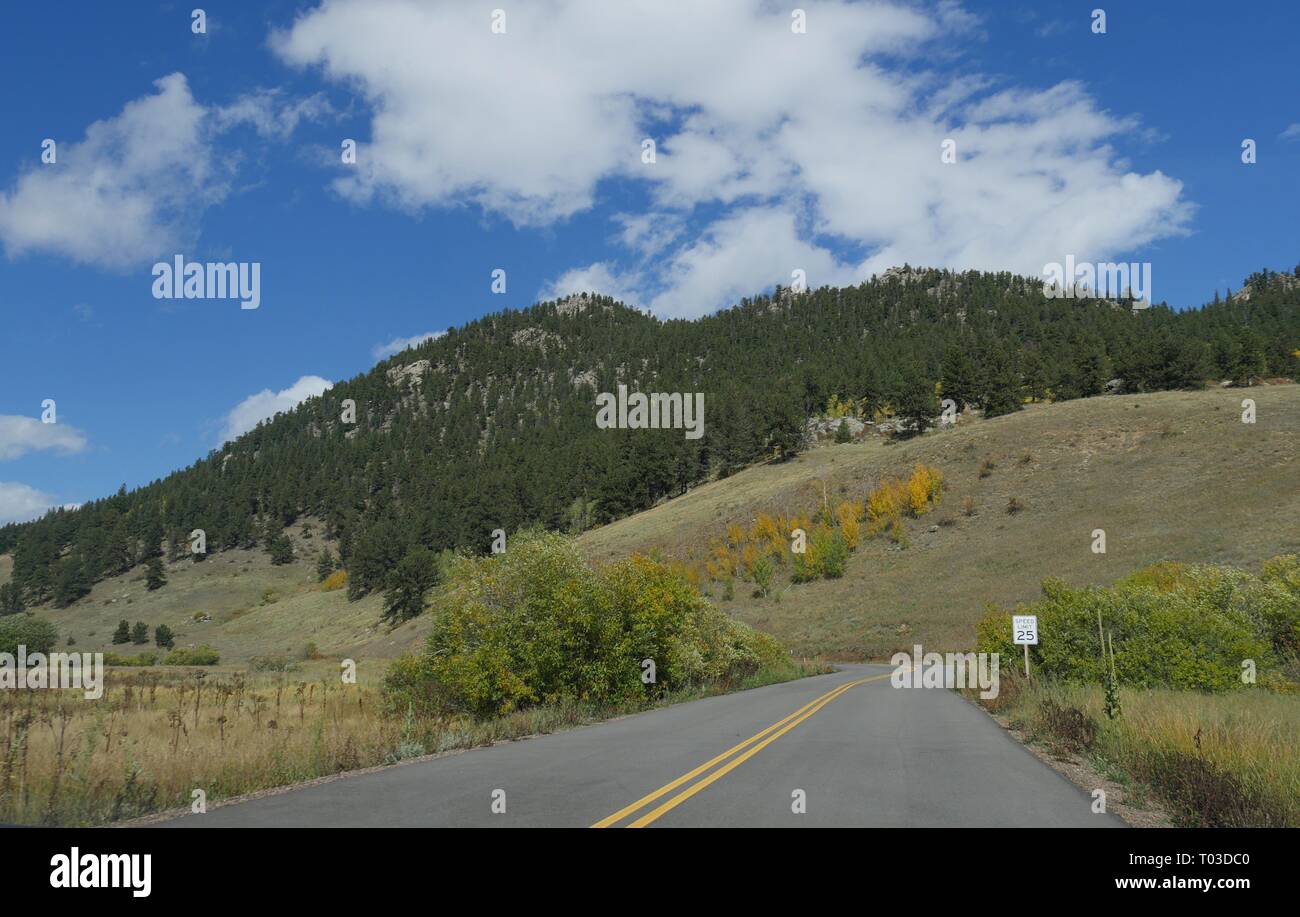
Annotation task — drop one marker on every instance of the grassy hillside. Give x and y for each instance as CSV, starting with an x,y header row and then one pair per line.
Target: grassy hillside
x,y
1169,475
255,609
1173,475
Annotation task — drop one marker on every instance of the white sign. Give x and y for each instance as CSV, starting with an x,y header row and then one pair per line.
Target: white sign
x,y
1024,629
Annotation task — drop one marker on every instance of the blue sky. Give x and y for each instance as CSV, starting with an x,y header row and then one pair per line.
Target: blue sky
x,y
775,150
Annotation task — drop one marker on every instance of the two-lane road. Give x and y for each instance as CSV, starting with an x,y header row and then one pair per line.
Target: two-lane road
x,y
856,750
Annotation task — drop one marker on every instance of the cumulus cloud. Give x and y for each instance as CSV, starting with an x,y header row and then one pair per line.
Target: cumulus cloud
x,y
129,191
20,503
397,345
598,277
20,435
775,151
266,404
134,189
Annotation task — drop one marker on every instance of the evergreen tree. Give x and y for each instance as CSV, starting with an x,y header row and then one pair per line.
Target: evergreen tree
x,y
11,599
280,548
162,637
140,633
999,384
409,584
71,581
842,433
155,577
785,426
960,377
1249,363
325,565
915,403
123,632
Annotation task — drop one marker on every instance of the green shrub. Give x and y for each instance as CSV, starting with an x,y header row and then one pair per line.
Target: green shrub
x,y
1173,626
763,572
268,663
804,568
538,625
139,659
199,655
831,551
36,634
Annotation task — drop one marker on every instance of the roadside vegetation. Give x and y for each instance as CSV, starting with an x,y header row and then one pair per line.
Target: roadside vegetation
x,y
527,642
540,625
1196,700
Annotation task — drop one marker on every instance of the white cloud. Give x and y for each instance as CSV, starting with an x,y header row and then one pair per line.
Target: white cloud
x,y
266,404
20,435
752,250
129,192
774,150
594,278
133,190
271,114
20,503
397,345
1291,133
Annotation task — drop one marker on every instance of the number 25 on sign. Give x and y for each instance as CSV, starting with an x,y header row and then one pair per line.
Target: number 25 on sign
x,y
1024,630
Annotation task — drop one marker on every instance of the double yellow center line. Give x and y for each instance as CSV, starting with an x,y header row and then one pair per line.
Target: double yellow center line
x,y
742,752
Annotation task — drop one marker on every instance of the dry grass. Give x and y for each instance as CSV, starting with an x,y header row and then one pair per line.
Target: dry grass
x,y
253,608
1219,491
1213,760
158,735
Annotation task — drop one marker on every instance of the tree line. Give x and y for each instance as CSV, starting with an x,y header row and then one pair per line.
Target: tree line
x,y
492,425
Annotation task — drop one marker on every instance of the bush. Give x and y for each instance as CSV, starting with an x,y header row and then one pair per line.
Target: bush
x,y
139,659
538,625
849,515
336,580
269,663
830,552
1173,626
762,573
36,634
199,655
1066,727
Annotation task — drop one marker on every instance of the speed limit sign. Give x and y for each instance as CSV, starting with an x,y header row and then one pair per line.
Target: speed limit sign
x,y
1024,630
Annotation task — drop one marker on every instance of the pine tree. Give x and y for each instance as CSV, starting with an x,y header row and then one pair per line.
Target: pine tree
x,y
123,632
784,425
11,599
325,565
960,377
162,637
280,548
842,433
915,403
71,581
1250,363
155,577
140,633
1000,384
409,584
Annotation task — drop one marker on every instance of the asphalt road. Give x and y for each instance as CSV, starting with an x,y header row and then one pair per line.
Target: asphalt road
x,y
868,755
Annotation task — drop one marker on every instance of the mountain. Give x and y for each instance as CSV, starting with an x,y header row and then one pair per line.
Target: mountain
x,y
492,425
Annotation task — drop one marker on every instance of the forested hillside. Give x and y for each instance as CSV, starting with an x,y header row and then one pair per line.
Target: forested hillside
x,y
492,425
